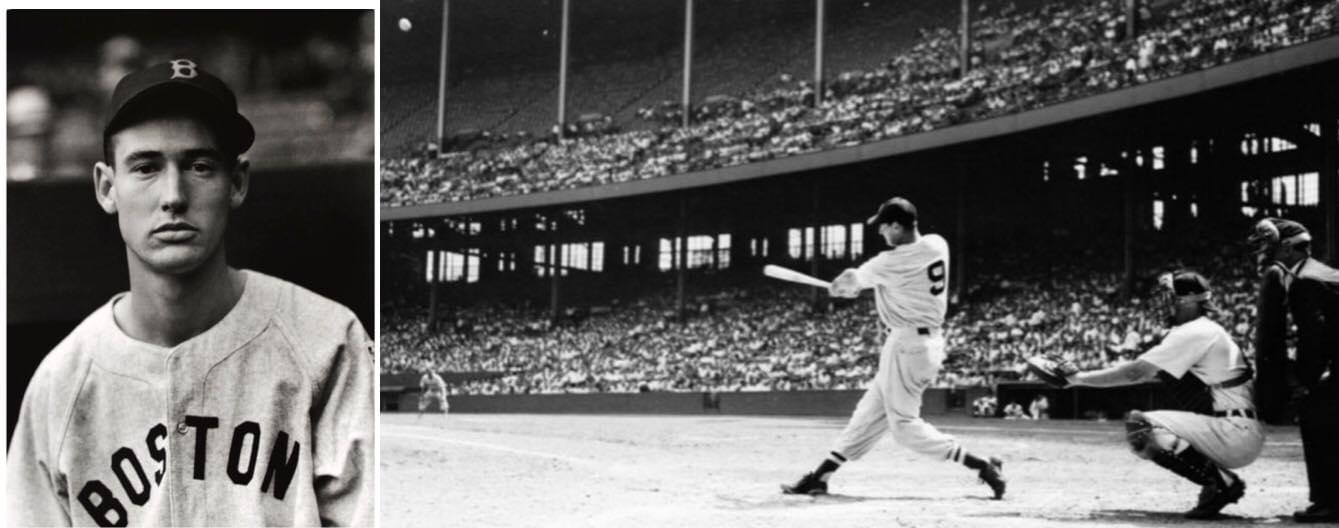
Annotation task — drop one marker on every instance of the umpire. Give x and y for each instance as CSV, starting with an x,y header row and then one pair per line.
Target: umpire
x,y
1310,291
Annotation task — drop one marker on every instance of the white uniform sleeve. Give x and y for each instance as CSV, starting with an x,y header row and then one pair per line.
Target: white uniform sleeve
x,y
37,495
344,437
1180,350
875,270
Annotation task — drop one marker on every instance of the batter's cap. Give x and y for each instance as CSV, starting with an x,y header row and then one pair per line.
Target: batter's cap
x,y
896,209
1270,231
179,80
1186,286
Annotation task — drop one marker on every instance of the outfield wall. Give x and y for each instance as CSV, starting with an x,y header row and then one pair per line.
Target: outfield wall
x,y
1084,402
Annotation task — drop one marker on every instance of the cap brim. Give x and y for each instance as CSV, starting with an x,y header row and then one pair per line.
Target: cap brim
x,y
238,131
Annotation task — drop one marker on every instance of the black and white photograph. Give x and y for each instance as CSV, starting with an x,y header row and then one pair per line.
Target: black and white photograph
x,y
191,268
859,262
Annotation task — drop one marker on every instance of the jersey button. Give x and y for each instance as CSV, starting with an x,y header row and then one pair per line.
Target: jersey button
x,y
181,428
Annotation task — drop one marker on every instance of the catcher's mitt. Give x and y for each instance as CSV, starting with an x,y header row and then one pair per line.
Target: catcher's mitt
x,y
1052,369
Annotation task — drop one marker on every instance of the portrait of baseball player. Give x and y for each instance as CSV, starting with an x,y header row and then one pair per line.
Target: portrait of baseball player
x,y
1293,283
910,283
206,392
1215,430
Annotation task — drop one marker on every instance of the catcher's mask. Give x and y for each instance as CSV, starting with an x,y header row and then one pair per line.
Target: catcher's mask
x,y
1184,287
1269,234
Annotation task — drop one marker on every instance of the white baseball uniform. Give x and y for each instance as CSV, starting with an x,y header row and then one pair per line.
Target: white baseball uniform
x,y
1203,348
264,419
436,391
910,285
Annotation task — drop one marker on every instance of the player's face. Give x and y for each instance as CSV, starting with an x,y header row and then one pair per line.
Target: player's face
x,y
172,189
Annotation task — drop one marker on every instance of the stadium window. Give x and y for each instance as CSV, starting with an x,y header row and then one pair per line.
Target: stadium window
x,y
666,255
857,240
637,254
1308,186
1157,214
1194,209
597,256
1194,153
1158,159
723,251
1045,171
1105,171
1081,167
473,269
808,243
541,262
1248,211
796,243
475,228
834,241
428,268
1284,190
1280,145
1313,128
1245,192
764,247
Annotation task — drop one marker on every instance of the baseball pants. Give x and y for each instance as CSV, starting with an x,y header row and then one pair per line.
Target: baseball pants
x,y
425,402
908,363
1319,427
1230,441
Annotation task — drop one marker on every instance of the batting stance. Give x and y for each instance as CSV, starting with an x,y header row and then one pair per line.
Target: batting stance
x,y
206,395
433,389
910,282
1216,430
1309,290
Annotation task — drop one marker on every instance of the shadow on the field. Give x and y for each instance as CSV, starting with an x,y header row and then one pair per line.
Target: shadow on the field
x,y
1152,517
792,501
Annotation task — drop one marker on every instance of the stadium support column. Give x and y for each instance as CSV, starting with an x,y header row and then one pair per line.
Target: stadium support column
x,y
959,256
1131,19
965,41
441,78
817,253
562,68
680,255
1129,175
820,16
1329,171
687,103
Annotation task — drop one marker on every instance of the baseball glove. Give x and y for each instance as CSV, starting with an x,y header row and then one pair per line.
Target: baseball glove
x,y
1052,369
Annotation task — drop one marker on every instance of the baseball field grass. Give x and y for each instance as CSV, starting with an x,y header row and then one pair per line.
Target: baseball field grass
x,y
646,471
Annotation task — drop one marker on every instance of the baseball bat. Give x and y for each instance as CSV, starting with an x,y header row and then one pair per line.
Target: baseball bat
x,y
785,274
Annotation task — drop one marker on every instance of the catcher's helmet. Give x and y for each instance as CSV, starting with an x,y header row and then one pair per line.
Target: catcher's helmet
x,y
1185,286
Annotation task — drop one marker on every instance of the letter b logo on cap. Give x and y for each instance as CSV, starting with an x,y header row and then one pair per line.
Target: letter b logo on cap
x,y
183,69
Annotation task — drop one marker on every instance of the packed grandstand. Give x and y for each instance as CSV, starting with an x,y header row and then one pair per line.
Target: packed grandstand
x,y
757,336
1021,59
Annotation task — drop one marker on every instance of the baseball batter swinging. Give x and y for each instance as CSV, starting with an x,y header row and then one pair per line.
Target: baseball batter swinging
x,y
1217,431
910,283
206,395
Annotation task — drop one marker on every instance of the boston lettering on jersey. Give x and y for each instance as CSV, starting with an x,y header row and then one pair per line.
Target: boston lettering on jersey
x,y
107,509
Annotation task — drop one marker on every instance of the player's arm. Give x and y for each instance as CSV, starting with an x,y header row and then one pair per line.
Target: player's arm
x,y
36,495
1137,371
343,435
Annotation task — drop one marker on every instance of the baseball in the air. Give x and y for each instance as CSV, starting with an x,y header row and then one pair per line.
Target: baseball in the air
x,y
406,25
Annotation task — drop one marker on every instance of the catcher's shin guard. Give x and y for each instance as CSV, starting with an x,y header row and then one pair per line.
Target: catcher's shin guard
x,y
1192,465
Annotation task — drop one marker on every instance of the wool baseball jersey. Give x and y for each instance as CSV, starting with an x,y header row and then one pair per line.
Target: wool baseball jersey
x,y
432,381
910,283
264,419
1202,347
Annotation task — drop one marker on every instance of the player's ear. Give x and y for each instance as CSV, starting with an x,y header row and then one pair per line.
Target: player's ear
x,y
103,183
241,182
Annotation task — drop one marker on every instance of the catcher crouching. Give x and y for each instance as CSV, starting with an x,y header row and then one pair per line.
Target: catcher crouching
x,y
1214,430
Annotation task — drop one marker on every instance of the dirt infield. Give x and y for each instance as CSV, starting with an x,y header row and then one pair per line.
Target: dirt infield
x,y
643,471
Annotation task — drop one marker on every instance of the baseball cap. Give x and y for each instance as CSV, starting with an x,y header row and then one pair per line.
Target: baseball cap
x,y
896,209
1186,286
1279,230
179,80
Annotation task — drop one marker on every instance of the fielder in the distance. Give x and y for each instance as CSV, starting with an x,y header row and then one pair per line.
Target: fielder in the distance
x,y
433,389
910,283
206,395
1216,431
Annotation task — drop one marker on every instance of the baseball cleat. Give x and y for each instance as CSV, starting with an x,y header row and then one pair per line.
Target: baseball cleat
x,y
1213,499
809,484
993,476
1316,513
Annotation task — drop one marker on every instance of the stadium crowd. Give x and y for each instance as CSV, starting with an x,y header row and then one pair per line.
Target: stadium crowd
x,y
761,337
1020,60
